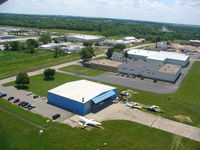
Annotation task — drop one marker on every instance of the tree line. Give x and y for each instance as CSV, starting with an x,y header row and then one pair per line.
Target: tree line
x,y
151,31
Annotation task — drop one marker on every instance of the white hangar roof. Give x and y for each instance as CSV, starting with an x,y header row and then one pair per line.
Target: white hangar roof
x,y
161,55
77,90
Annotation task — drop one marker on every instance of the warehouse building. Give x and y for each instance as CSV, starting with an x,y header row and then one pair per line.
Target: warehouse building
x,y
66,47
84,38
82,96
140,68
116,56
159,57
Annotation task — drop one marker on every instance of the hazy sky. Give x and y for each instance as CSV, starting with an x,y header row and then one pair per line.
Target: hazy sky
x,y
174,11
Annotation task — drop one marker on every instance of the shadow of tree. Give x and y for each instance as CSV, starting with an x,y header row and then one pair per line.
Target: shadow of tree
x,y
22,87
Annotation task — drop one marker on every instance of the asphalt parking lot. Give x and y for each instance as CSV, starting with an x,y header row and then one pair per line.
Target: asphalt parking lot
x,y
145,84
42,107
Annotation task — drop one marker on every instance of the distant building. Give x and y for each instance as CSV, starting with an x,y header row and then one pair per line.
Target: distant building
x,y
161,57
116,56
72,48
104,64
67,47
84,38
82,96
163,72
2,37
21,39
162,45
125,41
195,42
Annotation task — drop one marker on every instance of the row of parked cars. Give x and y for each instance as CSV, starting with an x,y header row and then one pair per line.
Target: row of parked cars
x,y
18,102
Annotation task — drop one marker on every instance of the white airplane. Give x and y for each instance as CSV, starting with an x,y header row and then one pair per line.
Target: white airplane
x,y
88,122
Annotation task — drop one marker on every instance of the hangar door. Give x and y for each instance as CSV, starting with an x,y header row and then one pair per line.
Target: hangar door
x,y
102,101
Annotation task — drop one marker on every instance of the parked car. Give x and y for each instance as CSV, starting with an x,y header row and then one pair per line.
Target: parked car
x,y
56,116
35,96
28,105
3,95
10,98
29,93
31,107
24,104
21,103
16,101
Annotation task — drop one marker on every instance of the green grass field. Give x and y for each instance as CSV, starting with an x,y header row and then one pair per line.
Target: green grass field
x,y
171,108
16,134
82,70
188,91
15,61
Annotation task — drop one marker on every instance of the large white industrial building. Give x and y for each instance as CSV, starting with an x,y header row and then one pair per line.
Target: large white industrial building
x,y
84,38
67,47
82,96
159,57
125,41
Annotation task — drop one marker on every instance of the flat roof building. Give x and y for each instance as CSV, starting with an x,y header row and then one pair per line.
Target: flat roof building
x,y
163,72
66,46
82,96
159,56
104,64
84,38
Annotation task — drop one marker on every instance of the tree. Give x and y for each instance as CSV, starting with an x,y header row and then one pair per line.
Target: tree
x,y
31,43
97,44
109,52
87,53
58,52
7,46
87,44
22,79
49,74
44,39
120,46
14,46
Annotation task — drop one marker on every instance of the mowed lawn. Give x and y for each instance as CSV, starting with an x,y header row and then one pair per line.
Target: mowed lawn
x,y
14,61
189,90
171,108
77,69
17,134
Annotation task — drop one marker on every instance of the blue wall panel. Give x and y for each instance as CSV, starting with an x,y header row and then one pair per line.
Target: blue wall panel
x,y
71,105
65,103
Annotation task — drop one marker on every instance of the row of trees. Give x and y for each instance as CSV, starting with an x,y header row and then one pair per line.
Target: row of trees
x,y
30,45
23,79
107,27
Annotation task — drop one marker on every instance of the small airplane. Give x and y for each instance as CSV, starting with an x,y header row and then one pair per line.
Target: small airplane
x,y
88,122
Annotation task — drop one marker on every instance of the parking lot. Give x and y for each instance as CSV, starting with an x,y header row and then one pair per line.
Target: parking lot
x,y
42,107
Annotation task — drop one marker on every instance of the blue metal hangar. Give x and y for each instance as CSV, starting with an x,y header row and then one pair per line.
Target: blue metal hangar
x,y
82,96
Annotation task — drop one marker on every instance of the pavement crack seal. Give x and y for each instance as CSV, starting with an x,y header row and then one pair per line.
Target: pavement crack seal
x,y
154,122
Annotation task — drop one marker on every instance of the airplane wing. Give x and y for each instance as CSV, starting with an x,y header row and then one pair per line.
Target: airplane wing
x,y
95,123
89,121
84,119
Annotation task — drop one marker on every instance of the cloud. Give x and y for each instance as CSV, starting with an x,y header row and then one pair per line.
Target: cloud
x,y
178,11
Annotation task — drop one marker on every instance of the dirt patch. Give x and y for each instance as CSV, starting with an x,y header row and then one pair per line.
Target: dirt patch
x,y
183,118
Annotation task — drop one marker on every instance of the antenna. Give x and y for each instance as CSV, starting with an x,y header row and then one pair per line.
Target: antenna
x,y
83,99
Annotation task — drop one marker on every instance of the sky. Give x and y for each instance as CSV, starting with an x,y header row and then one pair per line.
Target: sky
x,y
172,11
